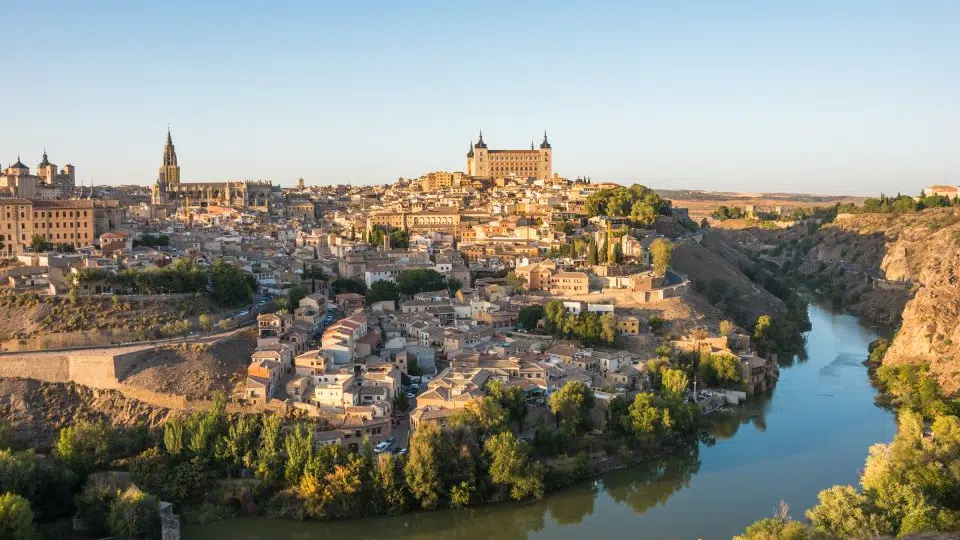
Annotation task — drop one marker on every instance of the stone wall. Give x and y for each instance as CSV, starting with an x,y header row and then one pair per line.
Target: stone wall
x,y
96,368
47,368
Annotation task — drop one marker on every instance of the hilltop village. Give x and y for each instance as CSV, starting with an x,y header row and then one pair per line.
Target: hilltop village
x,y
365,315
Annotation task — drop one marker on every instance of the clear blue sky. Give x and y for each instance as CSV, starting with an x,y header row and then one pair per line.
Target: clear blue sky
x,y
800,96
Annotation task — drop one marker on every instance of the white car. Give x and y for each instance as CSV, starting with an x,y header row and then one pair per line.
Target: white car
x,y
382,447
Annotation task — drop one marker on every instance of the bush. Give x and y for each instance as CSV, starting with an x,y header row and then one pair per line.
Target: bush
x,y
134,515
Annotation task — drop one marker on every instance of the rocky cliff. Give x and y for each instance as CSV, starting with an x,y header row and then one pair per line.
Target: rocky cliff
x,y
910,257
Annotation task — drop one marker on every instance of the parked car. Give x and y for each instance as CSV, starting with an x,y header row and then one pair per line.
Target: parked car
x,y
382,447
411,395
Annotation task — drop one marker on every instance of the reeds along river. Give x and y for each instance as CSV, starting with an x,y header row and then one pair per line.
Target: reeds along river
x,y
811,432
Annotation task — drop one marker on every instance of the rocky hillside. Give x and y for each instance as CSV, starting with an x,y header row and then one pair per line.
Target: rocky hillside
x,y
922,251
716,266
35,411
197,370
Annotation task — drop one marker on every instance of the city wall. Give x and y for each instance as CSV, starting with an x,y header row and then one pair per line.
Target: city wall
x,y
95,368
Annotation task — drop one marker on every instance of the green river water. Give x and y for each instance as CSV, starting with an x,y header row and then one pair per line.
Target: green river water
x,y
811,432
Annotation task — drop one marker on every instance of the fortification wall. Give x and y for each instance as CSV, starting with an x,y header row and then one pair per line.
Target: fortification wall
x,y
42,367
96,368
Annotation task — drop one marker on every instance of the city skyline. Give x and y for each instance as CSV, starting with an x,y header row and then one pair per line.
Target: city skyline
x,y
851,99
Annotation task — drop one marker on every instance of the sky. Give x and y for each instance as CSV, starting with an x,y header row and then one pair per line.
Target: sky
x,y
852,97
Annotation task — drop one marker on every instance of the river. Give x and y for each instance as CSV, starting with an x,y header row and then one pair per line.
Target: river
x,y
811,432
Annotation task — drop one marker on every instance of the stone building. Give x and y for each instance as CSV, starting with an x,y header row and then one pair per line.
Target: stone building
x,y
47,183
533,163
246,194
75,222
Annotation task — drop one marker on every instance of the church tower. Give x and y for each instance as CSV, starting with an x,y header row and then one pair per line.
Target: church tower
x,y
169,174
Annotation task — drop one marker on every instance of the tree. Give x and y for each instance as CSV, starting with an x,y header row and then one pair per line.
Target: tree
x,y
485,415
299,449
85,446
842,512
204,321
388,483
382,290
410,282
230,285
344,285
134,515
94,504
16,518
555,315
616,255
720,370
422,470
764,337
529,316
675,381
661,251
38,244
269,460
593,255
511,399
778,529
603,254
656,323
727,327
646,420
294,295
237,448
453,285
510,466
518,283
572,405
609,323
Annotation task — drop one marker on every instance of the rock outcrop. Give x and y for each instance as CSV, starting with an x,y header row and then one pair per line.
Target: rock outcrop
x,y
916,256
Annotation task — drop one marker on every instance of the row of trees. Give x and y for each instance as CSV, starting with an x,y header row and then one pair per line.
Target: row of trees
x,y
409,283
152,240
641,204
899,204
399,238
228,285
723,212
39,244
590,328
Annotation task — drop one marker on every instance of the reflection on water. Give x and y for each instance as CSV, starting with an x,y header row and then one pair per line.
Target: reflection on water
x,y
810,432
652,484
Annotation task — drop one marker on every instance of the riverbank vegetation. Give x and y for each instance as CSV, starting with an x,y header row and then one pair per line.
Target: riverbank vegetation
x,y
212,465
911,485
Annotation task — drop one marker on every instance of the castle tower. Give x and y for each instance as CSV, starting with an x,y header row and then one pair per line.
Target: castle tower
x,y
478,162
545,167
169,173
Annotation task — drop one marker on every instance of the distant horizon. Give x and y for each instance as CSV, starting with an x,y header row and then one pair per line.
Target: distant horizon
x,y
852,99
